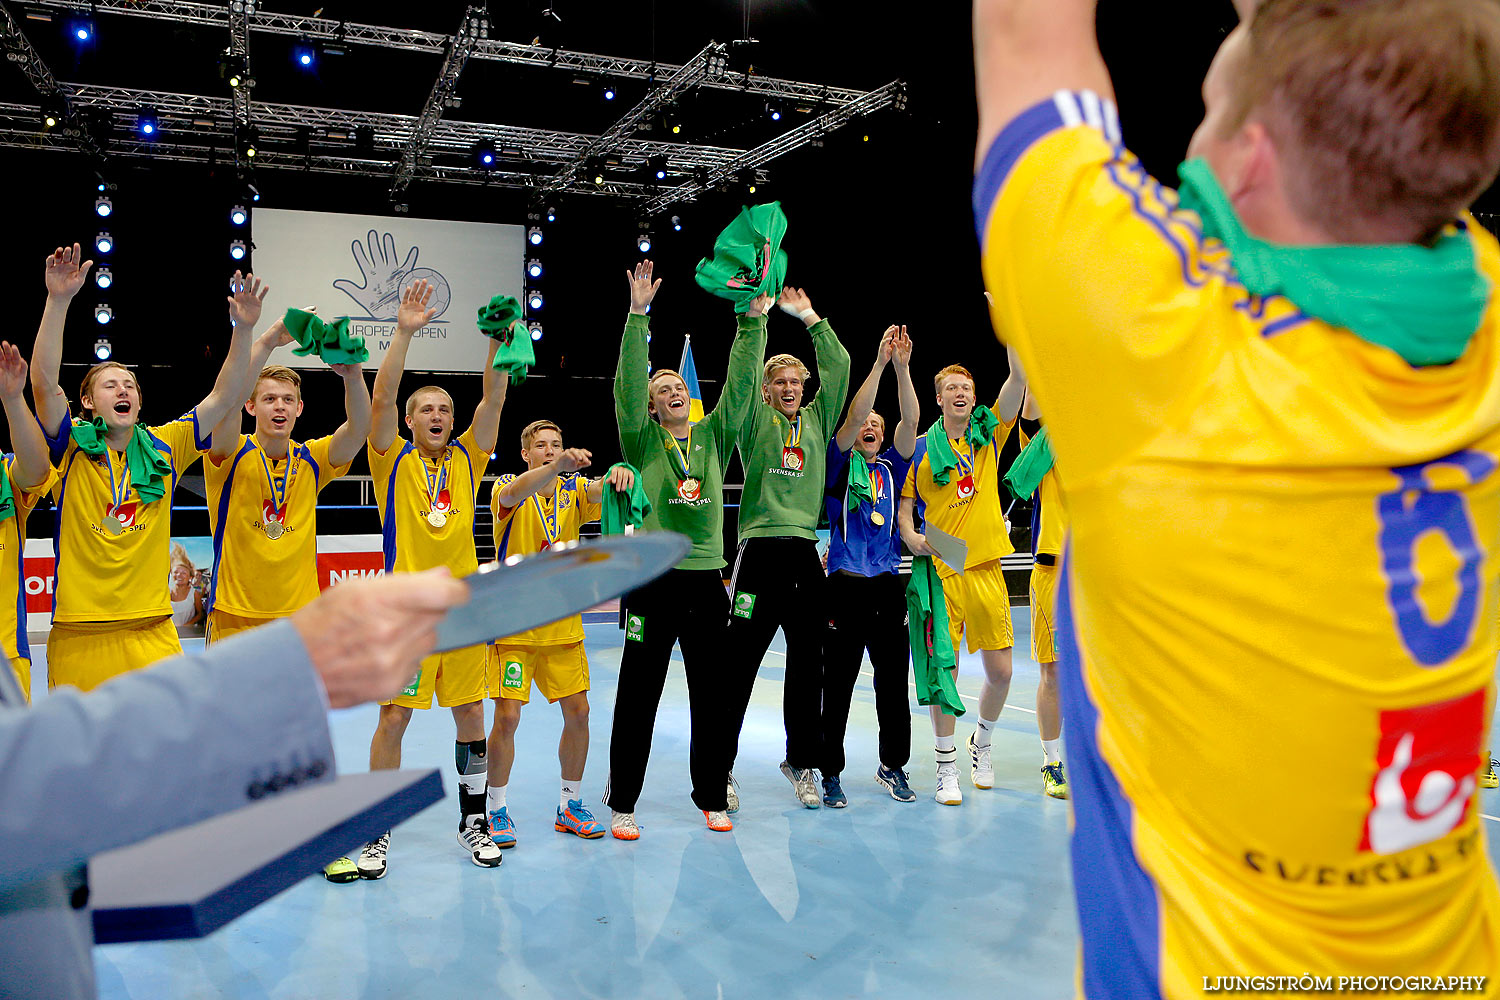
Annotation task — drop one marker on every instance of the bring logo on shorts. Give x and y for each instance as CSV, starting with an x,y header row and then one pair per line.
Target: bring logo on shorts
x,y
512,675
1426,761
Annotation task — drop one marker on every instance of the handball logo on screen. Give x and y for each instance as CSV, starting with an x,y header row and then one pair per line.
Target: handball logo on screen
x,y
384,275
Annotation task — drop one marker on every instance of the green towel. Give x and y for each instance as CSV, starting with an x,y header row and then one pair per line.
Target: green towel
x,y
498,320
1031,466
330,341
932,659
859,481
147,468
7,496
622,508
940,458
748,260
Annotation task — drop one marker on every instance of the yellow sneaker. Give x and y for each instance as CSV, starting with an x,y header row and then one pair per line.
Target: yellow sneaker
x,y
1054,782
341,871
1488,778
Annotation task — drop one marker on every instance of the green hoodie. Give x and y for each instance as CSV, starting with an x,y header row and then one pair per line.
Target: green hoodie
x,y
652,450
781,501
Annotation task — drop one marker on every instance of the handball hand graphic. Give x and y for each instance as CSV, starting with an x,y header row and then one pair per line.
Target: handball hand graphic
x,y
383,277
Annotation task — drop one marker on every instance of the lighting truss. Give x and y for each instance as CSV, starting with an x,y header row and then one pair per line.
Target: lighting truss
x,y
413,40
710,60
475,24
239,13
18,50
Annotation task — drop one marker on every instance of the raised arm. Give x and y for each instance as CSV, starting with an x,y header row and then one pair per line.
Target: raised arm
x,y
518,489
864,398
235,380
487,413
32,463
356,426
1027,50
833,360
65,273
385,416
1008,403
226,434
741,392
905,437
632,417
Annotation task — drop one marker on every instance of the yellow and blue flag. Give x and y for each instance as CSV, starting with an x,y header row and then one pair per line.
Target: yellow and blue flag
x,y
689,373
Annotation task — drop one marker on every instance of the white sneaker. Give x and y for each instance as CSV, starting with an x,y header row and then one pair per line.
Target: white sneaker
x,y
622,826
948,792
805,784
371,863
475,839
733,796
981,771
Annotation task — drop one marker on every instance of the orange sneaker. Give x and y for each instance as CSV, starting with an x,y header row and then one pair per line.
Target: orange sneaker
x,y
718,821
622,826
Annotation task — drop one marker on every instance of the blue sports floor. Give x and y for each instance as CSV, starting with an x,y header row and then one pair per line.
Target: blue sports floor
x,y
882,899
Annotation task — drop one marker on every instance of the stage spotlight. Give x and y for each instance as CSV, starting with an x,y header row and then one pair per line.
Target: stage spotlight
x,y
103,277
484,153
239,215
551,214
102,186
104,242
146,123
304,54
774,112
534,268
103,314
82,29
536,331
103,349
254,192
534,299
534,236
657,168
598,180
643,243
609,93
237,250
53,111
676,223
103,206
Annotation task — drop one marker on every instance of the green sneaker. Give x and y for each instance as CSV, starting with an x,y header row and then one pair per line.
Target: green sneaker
x,y
341,871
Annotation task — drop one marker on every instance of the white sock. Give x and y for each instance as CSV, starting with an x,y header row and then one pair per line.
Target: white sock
x,y
943,743
496,796
568,792
982,734
1053,750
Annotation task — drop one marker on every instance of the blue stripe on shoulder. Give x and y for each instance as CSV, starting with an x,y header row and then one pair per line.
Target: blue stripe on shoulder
x,y
1118,904
388,524
307,456
221,522
1024,131
916,469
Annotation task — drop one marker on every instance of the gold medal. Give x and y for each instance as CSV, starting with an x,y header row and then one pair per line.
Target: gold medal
x,y
113,526
691,485
273,529
877,518
437,518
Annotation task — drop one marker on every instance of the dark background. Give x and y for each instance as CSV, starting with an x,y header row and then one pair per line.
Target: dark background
x,y
881,229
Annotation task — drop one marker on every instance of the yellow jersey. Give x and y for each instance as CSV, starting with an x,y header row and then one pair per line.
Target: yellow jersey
x,y
1276,676
105,577
534,525
263,516
427,508
1049,516
13,641
968,505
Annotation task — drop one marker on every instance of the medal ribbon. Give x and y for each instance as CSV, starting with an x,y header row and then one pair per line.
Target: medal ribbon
x,y
278,496
682,459
794,432
965,461
441,478
117,499
549,522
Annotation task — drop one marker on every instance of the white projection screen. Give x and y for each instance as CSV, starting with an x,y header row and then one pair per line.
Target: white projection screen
x,y
358,265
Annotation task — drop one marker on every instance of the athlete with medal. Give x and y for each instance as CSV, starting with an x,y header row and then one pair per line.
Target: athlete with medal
x,y
263,494
112,611
866,594
426,490
682,473
545,505
778,576
954,483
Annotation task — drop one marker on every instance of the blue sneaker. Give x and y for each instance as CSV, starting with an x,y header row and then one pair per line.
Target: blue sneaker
x,y
577,819
833,793
894,781
502,829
